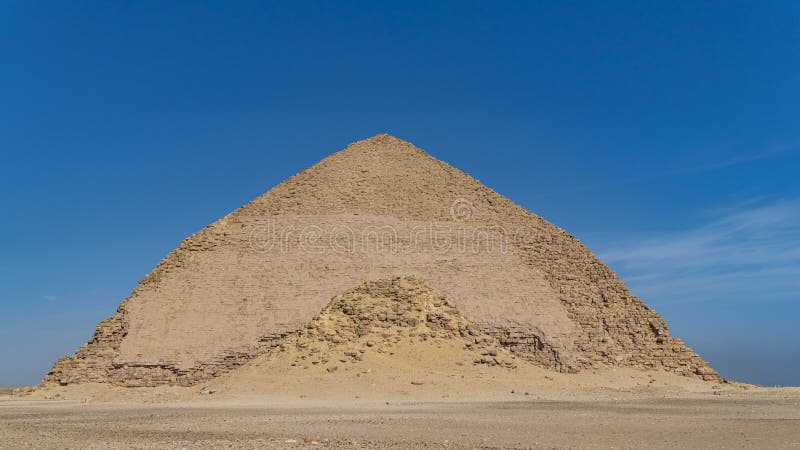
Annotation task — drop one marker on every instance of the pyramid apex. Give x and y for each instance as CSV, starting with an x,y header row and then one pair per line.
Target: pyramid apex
x,y
383,138
384,143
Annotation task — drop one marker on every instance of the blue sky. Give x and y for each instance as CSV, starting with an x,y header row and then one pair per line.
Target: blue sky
x,y
664,136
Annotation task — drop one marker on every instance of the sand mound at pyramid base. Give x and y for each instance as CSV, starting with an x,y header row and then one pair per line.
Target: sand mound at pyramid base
x,y
402,339
386,336
382,380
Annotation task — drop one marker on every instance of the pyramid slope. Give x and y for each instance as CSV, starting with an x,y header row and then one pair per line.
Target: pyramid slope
x,y
377,209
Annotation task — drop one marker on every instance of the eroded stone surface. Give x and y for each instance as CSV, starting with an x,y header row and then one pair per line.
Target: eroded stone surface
x,y
380,314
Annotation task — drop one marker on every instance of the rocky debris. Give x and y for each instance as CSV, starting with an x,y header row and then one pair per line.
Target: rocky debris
x,y
379,315
22,391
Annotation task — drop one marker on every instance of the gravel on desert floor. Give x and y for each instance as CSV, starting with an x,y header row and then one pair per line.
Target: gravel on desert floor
x,y
769,421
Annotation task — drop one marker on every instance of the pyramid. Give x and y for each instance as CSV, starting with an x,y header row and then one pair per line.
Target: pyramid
x,y
379,209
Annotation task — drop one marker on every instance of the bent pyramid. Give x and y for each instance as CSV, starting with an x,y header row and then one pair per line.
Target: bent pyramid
x,y
379,209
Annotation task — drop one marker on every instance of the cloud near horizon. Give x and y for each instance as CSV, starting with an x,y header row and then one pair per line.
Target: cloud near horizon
x,y
733,256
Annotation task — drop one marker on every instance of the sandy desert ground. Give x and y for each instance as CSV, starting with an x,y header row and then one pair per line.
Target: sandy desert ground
x,y
767,420
560,411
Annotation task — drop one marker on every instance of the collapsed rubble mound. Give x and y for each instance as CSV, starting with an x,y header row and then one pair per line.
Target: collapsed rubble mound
x,y
378,315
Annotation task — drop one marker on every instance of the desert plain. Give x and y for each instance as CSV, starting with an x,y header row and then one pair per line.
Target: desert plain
x,y
654,410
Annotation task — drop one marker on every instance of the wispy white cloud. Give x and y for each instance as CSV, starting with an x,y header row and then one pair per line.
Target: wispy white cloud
x,y
736,160
50,298
696,169
751,251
